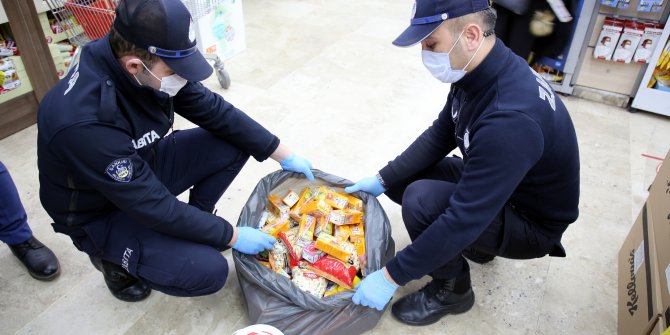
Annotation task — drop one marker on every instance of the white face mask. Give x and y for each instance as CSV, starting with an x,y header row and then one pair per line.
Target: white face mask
x,y
439,64
169,84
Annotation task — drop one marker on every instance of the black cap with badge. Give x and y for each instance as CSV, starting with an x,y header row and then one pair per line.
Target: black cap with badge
x,y
429,14
165,29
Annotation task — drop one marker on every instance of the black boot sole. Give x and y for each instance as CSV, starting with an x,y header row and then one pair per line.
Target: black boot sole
x,y
45,278
453,309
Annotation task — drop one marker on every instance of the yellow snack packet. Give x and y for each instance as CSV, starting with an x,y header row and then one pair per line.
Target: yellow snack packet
x,y
278,225
345,217
353,202
342,250
342,232
336,200
291,198
278,205
306,227
323,226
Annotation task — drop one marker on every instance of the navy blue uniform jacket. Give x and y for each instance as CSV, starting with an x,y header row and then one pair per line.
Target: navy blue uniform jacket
x,y
519,146
97,129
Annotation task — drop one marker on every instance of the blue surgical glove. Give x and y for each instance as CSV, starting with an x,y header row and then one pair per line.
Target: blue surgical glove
x,y
253,241
374,291
369,185
295,163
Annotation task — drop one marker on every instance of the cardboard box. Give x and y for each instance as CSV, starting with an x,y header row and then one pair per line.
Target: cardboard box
x,y
630,38
659,208
638,291
644,264
606,42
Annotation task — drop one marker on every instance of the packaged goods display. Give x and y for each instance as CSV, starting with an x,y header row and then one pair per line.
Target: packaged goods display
x,y
630,38
650,38
320,238
612,28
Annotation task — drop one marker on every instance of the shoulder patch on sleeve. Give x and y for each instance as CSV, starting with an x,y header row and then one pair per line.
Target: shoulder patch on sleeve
x,y
120,170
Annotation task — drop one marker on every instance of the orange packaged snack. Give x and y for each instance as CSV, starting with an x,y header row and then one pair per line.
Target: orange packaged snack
x,y
291,199
277,226
342,250
342,232
306,227
278,205
354,203
336,200
323,226
317,206
347,216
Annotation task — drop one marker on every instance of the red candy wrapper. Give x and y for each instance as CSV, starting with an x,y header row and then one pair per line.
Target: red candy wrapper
x,y
334,270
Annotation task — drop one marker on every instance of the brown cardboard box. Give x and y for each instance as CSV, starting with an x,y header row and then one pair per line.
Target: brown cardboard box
x,y
638,289
659,208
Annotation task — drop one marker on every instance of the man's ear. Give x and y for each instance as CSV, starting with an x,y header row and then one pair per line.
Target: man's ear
x,y
474,35
132,65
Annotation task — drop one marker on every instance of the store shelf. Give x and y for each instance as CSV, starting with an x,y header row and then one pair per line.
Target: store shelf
x,y
607,75
25,86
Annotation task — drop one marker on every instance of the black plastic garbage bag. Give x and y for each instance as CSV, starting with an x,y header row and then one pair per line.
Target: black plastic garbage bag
x,y
274,300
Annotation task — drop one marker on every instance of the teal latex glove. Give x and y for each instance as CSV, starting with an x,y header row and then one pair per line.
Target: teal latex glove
x,y
369,185
295,163
374,291
253,241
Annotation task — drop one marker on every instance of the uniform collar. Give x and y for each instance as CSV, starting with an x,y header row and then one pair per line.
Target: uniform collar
x,y
102,52
482,76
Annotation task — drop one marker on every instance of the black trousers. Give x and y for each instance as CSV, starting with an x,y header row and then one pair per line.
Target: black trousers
x,y
186,159
426,197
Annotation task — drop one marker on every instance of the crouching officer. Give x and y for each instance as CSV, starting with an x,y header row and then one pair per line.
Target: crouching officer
x,y
516,189
109,175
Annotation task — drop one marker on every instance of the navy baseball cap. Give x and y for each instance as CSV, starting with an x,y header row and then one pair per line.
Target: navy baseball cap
x,y
165,29
429,14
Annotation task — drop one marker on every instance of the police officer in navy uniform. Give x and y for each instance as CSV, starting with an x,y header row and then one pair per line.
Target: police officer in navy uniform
x,y
109,175
514,192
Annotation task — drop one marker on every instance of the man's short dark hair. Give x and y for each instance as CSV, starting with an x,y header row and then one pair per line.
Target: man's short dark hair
x,y
121,47
486,18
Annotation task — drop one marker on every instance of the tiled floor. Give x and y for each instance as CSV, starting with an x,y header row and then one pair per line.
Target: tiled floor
x,y
325,78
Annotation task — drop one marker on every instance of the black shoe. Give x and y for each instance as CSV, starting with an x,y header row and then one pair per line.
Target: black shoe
x,y
477,256
40,261
433,301
120,283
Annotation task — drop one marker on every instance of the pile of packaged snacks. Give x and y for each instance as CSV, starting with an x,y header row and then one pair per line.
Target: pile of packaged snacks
x,y
320,239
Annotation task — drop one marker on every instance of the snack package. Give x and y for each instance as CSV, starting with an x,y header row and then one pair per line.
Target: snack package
x,y
347,216
304,197
339,289
357,237
334,270
312,254
264,218
317,206
336,200
307,225
354,203
276,226
648,42
291,199
342,250
278,257
630,38
290,239
278,205
309,281
609,35
323,226
342,232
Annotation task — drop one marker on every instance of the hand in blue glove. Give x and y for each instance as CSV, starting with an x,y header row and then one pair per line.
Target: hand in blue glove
x,y
370,185
295,163
374,291
252,241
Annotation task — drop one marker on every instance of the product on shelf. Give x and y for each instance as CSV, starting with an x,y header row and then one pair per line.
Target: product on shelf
x,y
612,28
630,38
648,42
